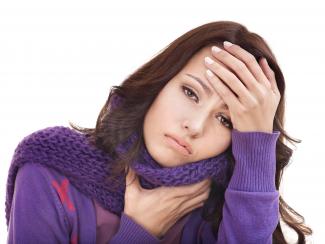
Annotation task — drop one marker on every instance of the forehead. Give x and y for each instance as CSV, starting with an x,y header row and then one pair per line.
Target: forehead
x,y
196,62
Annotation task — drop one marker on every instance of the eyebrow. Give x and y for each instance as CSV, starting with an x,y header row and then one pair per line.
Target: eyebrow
x,y
205,88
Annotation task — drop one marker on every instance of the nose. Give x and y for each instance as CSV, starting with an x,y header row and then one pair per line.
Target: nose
x,y
195,125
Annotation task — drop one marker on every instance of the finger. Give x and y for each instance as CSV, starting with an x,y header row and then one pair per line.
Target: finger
x,y
181,191
249,60
228,79
236,65
183,212
225,93
191,208
189,204
197,193
269,74
131,179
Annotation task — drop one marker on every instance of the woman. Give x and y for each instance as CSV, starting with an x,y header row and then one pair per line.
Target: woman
x,y
189,149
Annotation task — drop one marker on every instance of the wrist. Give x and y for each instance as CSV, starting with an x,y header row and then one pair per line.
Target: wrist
x,y
153,232
250,128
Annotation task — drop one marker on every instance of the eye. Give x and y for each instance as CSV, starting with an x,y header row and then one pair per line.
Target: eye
x,y
190,93
225,121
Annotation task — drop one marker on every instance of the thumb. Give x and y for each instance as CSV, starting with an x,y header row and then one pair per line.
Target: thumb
x,y
131,179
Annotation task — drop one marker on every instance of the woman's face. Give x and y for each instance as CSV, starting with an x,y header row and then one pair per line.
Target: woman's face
x,y
201,120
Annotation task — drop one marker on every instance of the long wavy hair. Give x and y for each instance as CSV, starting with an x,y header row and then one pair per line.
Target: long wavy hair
x,y
116,123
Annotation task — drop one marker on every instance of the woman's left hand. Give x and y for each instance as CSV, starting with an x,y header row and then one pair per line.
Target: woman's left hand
x,y
258,95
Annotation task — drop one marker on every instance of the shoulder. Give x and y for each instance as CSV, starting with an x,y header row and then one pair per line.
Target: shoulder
x,y
33,174
54,188
43,177
35,178
46,207
58,135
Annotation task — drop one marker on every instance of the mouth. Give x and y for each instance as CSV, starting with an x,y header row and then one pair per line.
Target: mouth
x,y
179,146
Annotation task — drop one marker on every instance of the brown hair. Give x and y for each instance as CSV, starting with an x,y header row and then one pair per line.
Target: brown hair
x,y
141,88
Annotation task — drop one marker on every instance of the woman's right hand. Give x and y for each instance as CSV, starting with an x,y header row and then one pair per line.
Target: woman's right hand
x,y
160,208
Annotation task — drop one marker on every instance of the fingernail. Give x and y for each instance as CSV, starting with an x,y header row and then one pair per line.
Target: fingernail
x,y
208,60
209,73
216,49
227,44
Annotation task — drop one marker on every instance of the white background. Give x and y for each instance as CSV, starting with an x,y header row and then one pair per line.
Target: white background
x,y
58,60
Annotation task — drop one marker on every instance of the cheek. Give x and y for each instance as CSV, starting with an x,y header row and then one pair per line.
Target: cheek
x,y
180,107
225,141
156,118
172,108
214,145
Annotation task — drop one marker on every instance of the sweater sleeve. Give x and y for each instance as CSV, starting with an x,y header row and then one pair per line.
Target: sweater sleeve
x,y
251,208
130,232
36,214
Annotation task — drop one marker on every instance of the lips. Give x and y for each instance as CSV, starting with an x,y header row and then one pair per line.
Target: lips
x,y
182,143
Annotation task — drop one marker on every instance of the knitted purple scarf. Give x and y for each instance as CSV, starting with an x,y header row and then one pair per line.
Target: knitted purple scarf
x,y
70,153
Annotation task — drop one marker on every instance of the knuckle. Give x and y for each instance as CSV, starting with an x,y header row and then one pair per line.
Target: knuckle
x,y
223,54
261,97
217,66
239,67
267,84
260,100
254,104
250,59
225,93
242,111
272,74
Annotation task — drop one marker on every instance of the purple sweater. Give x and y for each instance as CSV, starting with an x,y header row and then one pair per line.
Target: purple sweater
x,y
46,208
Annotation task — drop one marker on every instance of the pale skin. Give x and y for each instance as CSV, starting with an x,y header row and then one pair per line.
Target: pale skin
x,y
243,91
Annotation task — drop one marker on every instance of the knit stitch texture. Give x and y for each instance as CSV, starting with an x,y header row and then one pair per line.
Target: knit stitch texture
x,y
87,167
